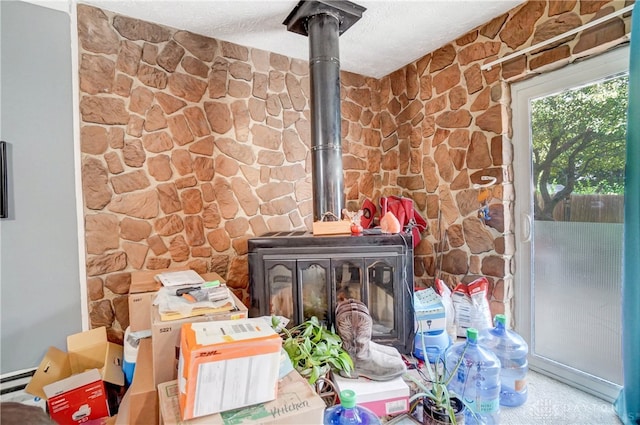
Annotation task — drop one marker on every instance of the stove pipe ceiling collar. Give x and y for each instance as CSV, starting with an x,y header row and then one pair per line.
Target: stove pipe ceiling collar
x,y
323,22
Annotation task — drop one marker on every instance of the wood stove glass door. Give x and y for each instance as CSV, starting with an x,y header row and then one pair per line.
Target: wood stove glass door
x,y
348,279
281,288
315,293
381,276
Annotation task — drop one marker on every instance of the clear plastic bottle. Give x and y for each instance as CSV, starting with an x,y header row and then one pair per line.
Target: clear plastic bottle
x,y
512,351
477,380
348,413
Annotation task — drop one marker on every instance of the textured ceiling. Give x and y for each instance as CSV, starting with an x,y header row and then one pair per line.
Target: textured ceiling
x,y
391,33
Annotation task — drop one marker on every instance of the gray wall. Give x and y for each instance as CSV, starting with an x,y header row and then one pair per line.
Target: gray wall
x,y
39,275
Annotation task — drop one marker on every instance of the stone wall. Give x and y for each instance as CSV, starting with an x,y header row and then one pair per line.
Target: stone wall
x,y
448,123
192,145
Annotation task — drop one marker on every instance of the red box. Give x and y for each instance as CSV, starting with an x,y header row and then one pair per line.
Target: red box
x,y
77,399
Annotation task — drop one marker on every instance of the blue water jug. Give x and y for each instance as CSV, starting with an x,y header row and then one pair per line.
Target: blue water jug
x,y
512,351
349,413
476,381
433,343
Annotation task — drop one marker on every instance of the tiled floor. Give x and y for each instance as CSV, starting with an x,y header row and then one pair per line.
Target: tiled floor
x,y
551,402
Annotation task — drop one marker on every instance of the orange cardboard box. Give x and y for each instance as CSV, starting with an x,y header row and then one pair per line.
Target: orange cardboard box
x,y
165,337
226,365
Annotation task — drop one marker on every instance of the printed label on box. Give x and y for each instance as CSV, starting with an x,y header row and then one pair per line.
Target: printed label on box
x,y
395,407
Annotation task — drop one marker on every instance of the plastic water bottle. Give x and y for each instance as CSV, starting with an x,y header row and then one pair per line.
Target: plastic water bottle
x,y
348,413
476,381
512,351
130,352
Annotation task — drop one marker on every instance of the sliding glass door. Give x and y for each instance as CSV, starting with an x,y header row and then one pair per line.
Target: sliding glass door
x,y
569,146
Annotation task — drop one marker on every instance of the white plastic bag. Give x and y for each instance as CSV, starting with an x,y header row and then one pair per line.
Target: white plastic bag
x,y
449,311
471,306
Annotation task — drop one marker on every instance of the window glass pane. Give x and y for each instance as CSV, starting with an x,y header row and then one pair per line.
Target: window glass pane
x,y
280,280
381,305
348,275
578,155
314,292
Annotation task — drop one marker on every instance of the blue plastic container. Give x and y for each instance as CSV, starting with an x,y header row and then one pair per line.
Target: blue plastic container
x,y
130,350
434,343
348,413
477,380
512,351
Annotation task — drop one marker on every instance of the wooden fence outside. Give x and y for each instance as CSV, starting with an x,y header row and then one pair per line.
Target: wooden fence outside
x,y
591,209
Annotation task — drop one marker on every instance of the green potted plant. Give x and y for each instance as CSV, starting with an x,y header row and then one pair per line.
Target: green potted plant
x,y
439,406
314,350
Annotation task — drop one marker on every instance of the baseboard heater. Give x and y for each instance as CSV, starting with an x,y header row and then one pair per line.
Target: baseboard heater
x,y
12,387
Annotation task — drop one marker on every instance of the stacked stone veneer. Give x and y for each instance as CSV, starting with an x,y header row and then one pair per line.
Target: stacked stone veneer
x,y
192,145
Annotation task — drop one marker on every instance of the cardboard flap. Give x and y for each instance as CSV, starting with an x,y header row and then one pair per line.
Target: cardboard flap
x,y
144,281
144,396
87,349
122,418
112,370
143,375
72,382
53,367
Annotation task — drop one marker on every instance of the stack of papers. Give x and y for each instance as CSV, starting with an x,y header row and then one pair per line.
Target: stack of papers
x,y
180,278
207,298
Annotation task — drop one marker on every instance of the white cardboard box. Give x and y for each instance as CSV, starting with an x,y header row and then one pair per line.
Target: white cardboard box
x,y
384,398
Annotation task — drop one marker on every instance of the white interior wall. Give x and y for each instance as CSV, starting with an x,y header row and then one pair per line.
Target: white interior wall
x,y
41,285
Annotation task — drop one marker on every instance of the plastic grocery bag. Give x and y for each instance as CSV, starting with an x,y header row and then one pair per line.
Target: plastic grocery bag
x,y
449,312
471,306
403,209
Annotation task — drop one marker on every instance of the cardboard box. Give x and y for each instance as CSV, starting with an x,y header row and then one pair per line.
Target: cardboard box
x,y
429,311
142,292
383,398
77,399
165,338
122,418
227,365
85,350
296,404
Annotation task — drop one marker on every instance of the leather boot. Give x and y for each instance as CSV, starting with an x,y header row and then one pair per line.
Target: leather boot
x,y
352,304
354,325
